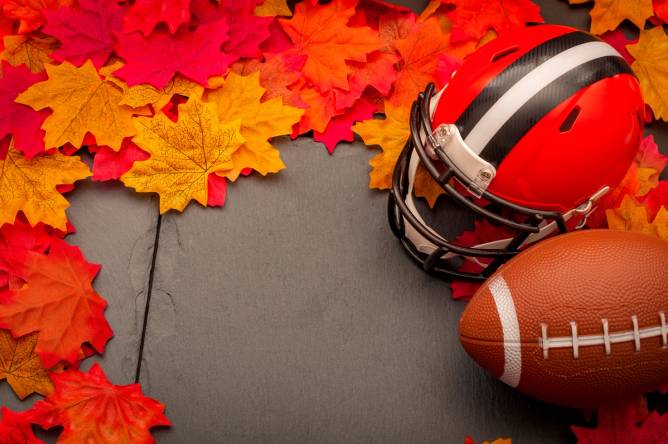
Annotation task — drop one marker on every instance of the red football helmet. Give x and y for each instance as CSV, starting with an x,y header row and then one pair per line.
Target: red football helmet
x,y
529,133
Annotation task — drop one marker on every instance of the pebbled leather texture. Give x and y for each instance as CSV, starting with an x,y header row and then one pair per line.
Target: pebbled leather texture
x,y
582,277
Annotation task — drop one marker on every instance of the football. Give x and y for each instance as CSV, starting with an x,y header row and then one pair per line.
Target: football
x,y
578,320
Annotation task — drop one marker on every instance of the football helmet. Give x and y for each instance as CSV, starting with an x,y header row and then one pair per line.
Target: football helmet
x,y
531,130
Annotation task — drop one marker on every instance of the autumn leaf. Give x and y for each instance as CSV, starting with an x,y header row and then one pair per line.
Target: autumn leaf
x,y
29,50
390,134
58,301
339,127
240,97
606,15
183,153
16,428
157,58
377,72
30,12
656,198
146,94
321,33
110,165
629,217
30,186
277,73
471,19
469,440
272,8
651,67
320,108
81,102
21,366
419,52
85,32
660,223
144,15
92,410
20,121
426,187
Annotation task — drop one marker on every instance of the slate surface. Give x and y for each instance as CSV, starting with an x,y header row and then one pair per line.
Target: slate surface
x,y
293,315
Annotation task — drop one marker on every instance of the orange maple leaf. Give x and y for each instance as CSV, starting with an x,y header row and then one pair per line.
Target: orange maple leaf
x,y
419,52
29,49
30,12
606,15
321,33
651,67
630,216
92,410
57,300
21,366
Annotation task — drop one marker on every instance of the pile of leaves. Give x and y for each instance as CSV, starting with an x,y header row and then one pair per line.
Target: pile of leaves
x,y
178,97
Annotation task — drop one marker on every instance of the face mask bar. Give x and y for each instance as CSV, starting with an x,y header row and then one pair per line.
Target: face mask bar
x,y
399,213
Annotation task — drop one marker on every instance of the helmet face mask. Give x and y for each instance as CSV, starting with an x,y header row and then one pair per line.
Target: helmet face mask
x,y
467,180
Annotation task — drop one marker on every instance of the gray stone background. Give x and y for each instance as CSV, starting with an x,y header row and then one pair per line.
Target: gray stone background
x,y
293,315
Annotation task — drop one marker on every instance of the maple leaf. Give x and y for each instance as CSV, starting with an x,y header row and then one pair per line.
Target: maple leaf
x,y
146,94
272,8
471,19
30,186
419,52
30,12
81,102
321,33
426,187
656,198
240,97
57,301
29,50
144,15
618,40
247,31
16,428
85,32
157,58
21,366
651,67
391,135
378,72
183,153
109,164
660,223
629,217
18,120
661,9
93,410
606,15
339,127
320,108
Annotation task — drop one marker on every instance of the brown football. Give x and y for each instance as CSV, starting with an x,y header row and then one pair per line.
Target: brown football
x,y
577,320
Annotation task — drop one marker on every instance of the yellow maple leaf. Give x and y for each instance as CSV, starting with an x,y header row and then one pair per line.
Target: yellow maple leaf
x,y
22,367
28,49
629,217
648,178
499,441
81,102
146,94
272,8
239,97
660,223
30,186
606,15
651,67
183,153
390,134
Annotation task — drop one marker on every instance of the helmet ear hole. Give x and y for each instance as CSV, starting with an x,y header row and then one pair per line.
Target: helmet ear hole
x,y
501,54
570,119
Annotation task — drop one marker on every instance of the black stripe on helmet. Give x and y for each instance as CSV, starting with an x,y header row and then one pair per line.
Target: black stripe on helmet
x,y
546,100
498,86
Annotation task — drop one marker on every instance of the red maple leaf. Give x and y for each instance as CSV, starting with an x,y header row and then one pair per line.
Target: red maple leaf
x,y
378,72
57,300
16,428
655,199
144,15
20,121
471,19
626,424
618,40
339,127
110,165
661,9
216,190
156,58
91,409
85,32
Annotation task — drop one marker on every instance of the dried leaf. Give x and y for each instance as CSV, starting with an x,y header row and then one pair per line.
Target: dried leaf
x,y
30,186
21,366
391,135
183,154
81,102
651,67
92,410
240,97
58,301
